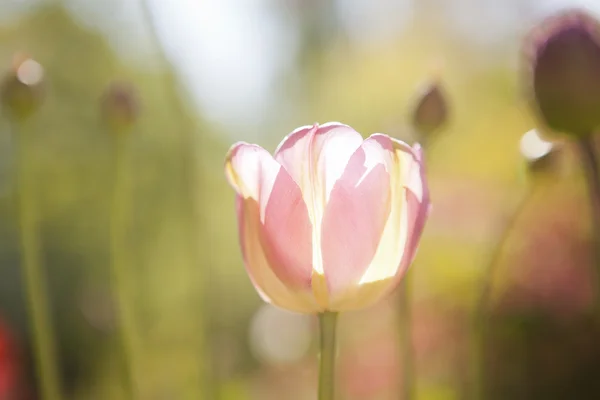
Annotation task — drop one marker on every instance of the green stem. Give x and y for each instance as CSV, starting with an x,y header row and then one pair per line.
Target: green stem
x,y
407,383
478,331
405,328
119,264
327,324
33,274
589,160
209,379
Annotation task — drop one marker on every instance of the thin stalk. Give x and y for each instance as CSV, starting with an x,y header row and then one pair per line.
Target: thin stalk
x,y
408,381
193,204
327,325
119,264
478,333
405,327
589,161
34,279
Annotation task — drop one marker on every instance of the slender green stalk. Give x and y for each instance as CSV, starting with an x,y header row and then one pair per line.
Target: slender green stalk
x,y
34,280
589,161
478,329
327,325
119,264
193,204
405,327
408,380
200,266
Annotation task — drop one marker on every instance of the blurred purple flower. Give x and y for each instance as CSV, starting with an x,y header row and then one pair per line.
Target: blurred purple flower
x,y
562,56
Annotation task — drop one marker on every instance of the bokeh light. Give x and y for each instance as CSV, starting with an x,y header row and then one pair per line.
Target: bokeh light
x,y
278,336
30,72
533,146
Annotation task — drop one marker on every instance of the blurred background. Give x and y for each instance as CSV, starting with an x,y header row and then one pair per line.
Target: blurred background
x,y
203,74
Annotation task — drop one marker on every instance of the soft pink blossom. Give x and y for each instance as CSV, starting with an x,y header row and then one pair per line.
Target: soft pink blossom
x,y
331,221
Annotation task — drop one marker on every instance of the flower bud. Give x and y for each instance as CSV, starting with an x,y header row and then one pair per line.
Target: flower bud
x,y
542,156
120,106
563,65
431,110
22,88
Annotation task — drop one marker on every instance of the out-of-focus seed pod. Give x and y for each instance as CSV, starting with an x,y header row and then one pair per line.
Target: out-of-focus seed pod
x,y
120,107
430,112
562,66
22,88
541,156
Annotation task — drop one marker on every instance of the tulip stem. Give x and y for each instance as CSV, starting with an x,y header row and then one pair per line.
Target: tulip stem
x,y
208,377
405,327
589,160
119,263
33,275
327,324
477,342
407,382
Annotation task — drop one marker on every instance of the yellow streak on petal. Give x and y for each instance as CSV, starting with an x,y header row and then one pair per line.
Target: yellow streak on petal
x,y
320,291
361,296
231,175
388,256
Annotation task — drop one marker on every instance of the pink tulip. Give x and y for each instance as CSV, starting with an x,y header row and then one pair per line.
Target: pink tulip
x,y
331,222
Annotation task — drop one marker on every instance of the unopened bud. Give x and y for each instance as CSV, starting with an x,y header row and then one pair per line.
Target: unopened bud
x,y
541,156
431,110
120,107
562,58
22,88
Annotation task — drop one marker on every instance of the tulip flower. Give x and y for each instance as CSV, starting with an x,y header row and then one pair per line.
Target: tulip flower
x,y
331,222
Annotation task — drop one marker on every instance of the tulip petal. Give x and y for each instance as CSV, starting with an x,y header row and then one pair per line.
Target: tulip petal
x,y
419,205
355,217
287,236
389,262
251,171
284,229
408,193
316,157
270,288
418,212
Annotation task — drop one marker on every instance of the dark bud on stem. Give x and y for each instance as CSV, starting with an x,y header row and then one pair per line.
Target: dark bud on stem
x,y
562,58
120,107
430,112
22,87
541,156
